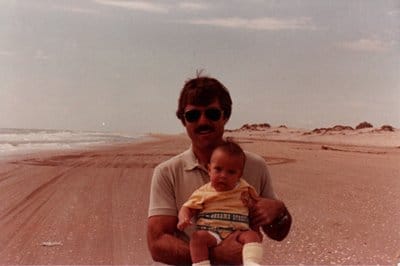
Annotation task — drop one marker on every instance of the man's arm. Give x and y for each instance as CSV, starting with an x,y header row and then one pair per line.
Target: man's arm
x,y
165,247
163,244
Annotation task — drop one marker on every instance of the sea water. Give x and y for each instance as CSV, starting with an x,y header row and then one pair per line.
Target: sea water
x,y
19,141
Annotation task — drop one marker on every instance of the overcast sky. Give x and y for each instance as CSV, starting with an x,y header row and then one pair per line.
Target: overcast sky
x,y
119,65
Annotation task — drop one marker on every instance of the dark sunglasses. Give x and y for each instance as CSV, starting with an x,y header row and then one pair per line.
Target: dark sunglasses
x,y
213,114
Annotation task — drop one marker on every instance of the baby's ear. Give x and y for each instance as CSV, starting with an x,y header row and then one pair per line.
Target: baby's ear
x,y
241,173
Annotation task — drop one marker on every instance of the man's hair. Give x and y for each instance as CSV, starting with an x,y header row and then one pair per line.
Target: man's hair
x,y
231,148
202,91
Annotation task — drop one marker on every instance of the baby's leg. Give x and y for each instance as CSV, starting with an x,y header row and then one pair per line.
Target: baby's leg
x,y
252,249
200,242
249,236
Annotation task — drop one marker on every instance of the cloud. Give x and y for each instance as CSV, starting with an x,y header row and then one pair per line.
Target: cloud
x,y
394,12
79,10
40,55
367,45
145,6
6,53
192,6
270,24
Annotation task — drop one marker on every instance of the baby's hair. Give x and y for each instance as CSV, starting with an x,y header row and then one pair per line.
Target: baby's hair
x,y
231,148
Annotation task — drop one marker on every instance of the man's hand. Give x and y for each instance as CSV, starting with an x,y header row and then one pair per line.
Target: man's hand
x,y
229,252
265,211
265,214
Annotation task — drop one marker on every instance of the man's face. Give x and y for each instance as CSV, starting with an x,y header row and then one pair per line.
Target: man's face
x,y
203,125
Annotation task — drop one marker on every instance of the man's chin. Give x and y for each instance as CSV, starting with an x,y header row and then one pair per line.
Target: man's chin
x,y
207,137
208,140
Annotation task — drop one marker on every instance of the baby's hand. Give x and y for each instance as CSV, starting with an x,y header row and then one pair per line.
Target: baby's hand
x,y
183,223
249,199
185,217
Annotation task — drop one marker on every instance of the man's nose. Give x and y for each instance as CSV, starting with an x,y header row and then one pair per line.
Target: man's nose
x,y
203,118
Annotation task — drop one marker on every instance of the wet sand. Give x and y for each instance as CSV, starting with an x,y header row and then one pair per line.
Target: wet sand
x,y
90,206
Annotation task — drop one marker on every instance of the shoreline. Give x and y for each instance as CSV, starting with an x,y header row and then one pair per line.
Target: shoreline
x,y
367,138
14,155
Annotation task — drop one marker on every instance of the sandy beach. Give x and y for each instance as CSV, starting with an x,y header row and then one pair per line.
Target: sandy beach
x,y
90,206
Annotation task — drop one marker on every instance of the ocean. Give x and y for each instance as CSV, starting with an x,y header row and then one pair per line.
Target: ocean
x,y
20,141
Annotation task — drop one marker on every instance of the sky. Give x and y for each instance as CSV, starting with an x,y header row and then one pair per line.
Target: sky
x,y
119,65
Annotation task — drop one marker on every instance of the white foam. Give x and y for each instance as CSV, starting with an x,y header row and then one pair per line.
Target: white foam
x,y
19,141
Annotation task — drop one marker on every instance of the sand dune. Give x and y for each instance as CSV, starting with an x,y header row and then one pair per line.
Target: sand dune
x,y
386,136
90,206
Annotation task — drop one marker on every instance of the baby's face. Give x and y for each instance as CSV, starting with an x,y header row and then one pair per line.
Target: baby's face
x,y
225,170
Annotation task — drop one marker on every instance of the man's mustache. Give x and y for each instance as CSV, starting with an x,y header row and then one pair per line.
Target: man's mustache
x,y
204,128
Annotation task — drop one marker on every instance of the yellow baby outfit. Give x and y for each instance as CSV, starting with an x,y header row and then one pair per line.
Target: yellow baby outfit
x,y
223,212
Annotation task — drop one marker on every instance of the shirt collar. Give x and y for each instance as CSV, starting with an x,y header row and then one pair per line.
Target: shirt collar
x,y
191,161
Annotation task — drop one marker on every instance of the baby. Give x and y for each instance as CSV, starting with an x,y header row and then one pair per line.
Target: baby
x,y
221,207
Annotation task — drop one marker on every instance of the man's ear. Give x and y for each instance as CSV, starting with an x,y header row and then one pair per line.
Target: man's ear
x,y
183,122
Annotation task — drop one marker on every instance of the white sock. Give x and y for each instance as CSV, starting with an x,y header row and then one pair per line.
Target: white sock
x,y
202,263
252,254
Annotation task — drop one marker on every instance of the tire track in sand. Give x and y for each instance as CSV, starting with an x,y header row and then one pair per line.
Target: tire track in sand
x,y
43,192
132,160
24,213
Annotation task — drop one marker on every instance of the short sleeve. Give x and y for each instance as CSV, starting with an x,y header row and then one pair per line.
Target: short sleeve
x,y
267,190
256,174
162,200
196,200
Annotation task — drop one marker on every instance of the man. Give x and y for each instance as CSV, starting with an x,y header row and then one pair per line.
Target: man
x,y
204,108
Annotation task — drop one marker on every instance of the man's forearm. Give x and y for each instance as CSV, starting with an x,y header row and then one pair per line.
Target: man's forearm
x,y
171,250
